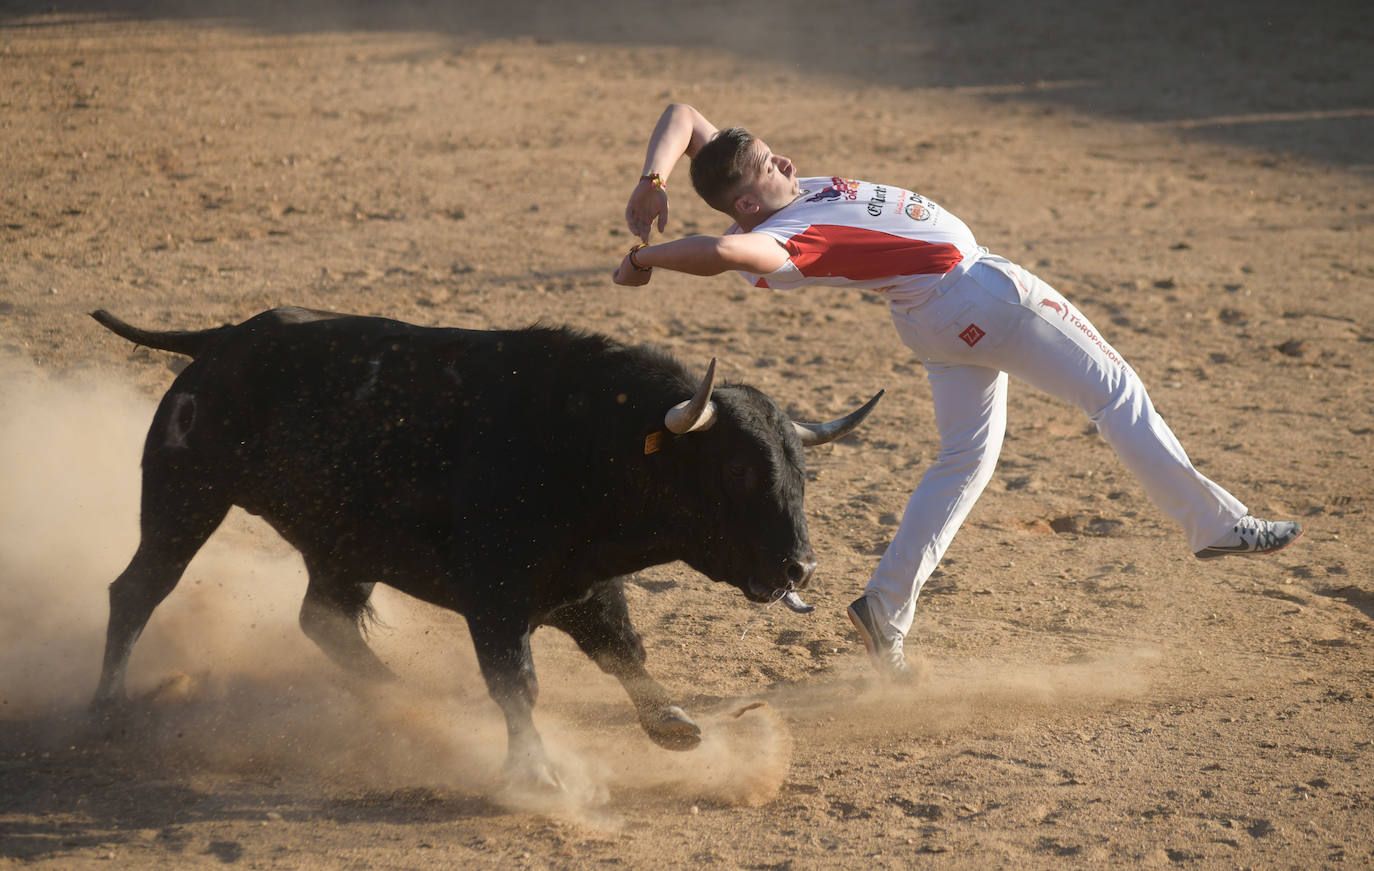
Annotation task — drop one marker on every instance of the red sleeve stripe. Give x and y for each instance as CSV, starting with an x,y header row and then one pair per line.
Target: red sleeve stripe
x,y
833,250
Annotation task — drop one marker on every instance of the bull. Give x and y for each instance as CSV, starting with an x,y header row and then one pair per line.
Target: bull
x,y
515,477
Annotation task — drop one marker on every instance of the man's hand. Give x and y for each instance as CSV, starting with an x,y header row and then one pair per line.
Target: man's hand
x,y
647,202
628,275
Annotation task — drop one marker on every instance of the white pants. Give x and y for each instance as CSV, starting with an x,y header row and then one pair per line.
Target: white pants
x,y
998,319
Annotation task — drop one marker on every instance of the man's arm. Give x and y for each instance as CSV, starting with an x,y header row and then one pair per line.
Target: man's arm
x,y
757,253
680,130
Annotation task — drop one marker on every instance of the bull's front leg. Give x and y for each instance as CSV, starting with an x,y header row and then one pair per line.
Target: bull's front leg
x,y
502,641
600,624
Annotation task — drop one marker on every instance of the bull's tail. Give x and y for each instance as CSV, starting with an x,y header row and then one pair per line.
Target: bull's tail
x,y
188,342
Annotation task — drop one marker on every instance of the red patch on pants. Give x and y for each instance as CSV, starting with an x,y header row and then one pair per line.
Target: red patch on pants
x,y
971,335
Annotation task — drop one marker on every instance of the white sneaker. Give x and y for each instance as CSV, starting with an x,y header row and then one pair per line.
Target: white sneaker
x,y
1252,536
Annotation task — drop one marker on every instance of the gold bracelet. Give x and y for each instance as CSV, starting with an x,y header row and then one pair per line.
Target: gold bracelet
x,y
656,180
635,263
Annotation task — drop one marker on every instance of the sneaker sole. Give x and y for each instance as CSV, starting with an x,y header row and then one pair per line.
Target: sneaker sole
x,y
1217,553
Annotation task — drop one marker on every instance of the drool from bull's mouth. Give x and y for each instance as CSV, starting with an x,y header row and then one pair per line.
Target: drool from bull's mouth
x,y
785,596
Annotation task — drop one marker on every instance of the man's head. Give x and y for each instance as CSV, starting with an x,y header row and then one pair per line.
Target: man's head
x,y
736,173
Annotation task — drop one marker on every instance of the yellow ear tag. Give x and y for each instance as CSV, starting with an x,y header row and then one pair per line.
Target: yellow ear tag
x,y
653,442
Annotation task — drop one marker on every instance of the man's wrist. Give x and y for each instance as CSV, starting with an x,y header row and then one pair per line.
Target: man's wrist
x,y
656,179
635,263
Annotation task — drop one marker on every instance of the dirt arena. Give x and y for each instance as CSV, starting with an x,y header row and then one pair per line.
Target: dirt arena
x,y
1197,177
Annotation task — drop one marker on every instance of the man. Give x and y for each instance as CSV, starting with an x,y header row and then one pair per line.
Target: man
x,y
970,316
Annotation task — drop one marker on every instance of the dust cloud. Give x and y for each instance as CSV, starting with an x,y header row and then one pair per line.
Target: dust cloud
x,y
957,694
69,453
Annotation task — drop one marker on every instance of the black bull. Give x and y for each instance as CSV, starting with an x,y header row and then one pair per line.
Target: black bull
x,y
512,476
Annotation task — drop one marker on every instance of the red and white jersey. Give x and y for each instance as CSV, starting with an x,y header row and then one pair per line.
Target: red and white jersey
x,y
842,231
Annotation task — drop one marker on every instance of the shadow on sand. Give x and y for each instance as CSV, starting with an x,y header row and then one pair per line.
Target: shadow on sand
x,y
1294,78
70,783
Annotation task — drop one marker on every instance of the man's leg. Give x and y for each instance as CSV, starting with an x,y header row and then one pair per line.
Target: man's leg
x,y
971,413
1054,348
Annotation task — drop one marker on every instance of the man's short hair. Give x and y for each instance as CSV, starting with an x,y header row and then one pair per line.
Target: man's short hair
x,y
721,166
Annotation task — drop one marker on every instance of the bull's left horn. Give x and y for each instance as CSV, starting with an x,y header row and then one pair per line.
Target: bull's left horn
x,y
697,413
812,434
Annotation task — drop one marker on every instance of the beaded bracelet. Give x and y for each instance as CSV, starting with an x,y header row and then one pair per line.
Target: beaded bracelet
x,y
656,180
635,263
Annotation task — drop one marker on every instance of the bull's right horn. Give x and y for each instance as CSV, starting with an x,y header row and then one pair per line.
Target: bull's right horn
x,y
812,434
697,413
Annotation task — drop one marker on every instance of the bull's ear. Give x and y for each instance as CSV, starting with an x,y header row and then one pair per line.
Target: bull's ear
x,y
655,441
697,413
812,434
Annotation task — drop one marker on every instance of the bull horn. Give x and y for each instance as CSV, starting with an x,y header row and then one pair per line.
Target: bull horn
x,y
812,434
697,413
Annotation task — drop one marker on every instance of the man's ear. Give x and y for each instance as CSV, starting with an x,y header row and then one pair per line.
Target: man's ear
x,y
747,204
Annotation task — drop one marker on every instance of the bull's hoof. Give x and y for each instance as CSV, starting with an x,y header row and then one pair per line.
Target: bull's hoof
x,y
670,728
105,707
532,773
112,718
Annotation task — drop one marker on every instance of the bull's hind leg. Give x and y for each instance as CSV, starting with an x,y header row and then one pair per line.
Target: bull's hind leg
x,y
600,624
332,616
178,514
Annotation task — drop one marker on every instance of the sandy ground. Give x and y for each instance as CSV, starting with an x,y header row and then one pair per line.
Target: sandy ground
x,y
1197,177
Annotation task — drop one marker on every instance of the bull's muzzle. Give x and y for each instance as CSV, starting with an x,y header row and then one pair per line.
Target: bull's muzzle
x,y
798,574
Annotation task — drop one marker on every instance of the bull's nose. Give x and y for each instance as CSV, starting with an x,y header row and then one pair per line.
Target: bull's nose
x,y
799,572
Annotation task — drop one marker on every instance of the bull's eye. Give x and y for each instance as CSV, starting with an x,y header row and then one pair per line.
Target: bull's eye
x,y
742,476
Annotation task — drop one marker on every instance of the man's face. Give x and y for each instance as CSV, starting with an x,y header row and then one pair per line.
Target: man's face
x,y
774,184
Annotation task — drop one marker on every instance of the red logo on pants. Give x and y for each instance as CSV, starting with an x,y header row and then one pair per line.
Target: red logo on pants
x,y
972,334
1057,306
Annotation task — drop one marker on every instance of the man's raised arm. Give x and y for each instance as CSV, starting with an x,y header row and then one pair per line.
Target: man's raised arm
x,y
680,130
